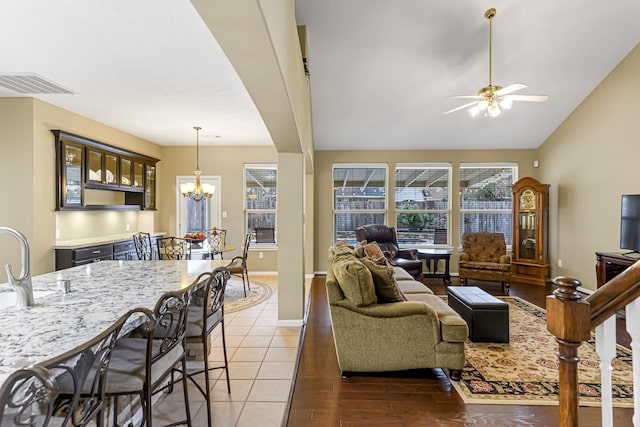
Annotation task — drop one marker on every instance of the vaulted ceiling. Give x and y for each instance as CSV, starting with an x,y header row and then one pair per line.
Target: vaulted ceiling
x,y
381,71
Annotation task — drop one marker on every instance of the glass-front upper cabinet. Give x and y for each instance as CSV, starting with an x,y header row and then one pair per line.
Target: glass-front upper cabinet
x,y
150,187
111,169
71,193
124,180
138,174
125,172
94,166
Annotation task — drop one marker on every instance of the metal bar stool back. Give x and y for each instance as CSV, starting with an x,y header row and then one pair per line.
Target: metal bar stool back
x,y
206,314
144,249
143,361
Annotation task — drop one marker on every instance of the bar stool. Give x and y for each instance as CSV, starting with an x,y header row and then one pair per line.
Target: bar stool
x,y
140,364
204,317
67,390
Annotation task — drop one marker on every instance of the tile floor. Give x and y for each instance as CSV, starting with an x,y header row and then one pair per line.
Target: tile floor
x,y
262,359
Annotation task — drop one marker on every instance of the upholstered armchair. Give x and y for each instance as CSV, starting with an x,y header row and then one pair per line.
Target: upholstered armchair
x,y
484,257
385,237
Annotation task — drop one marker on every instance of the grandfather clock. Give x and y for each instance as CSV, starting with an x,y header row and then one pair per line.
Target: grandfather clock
x,y
530,263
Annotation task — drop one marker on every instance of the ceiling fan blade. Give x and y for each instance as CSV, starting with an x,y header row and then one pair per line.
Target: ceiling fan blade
x,y
460,107
511,88
466,97
529,98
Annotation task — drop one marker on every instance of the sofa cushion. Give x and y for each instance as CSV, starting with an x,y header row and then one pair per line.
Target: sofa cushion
x,y
386,287
477,265
453,328
401,274
413,287
354,278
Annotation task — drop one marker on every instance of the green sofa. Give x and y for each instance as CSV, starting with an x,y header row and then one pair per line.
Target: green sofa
x,y
374,336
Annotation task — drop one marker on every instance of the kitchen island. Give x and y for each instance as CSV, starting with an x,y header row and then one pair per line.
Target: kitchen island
x,y
100,293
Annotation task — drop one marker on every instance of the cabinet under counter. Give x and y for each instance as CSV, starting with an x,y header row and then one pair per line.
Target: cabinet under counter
x,y
71,253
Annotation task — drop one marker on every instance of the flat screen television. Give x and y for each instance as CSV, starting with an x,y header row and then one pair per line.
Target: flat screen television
x,y
630,222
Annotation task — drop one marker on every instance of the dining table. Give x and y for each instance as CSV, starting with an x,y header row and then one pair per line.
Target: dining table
x,y
73,305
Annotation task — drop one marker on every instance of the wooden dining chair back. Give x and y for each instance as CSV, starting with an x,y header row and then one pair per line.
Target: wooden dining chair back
x,y
216,238
144,249
70,387
173,248
142,362
206,314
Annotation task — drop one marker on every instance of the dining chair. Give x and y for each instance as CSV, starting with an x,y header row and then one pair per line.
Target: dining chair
x,y
144,249
67,390
173,248
142,362
238,265
206,313
216,238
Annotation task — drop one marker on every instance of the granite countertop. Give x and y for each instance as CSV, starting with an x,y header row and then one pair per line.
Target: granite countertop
x,y
100,293
90,241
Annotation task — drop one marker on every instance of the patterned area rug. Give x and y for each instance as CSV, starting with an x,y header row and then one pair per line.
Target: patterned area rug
x,y
525,371
234,299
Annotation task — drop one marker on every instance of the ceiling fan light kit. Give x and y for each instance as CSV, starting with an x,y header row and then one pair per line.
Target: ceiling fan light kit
x,y
492,100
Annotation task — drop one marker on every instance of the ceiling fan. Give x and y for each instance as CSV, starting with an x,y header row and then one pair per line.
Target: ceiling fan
x,y
492,100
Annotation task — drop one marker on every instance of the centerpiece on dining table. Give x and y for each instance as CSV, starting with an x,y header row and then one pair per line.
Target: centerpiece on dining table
x,y
196,239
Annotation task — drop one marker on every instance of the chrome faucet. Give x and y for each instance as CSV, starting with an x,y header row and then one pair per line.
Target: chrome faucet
x,y
22,284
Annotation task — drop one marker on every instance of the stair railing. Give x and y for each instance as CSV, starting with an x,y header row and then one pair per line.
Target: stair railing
x,y
570,319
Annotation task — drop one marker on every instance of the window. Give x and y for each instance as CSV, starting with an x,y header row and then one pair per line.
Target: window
x,y
485,198
422,204
198,216
260,202
359,198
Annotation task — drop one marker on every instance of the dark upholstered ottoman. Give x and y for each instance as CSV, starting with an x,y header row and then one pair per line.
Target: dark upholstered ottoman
x,y
486,315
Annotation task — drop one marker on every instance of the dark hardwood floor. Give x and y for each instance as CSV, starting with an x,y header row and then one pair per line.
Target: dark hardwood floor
x,y
414,398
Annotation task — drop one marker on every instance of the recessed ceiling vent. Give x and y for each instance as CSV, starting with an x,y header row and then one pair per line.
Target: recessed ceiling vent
x,y
30,84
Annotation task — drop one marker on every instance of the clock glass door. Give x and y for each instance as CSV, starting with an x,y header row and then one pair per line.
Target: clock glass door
x,y
527,235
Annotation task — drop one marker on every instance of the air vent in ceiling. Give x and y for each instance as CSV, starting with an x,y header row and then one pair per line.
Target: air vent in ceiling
x,y
30,84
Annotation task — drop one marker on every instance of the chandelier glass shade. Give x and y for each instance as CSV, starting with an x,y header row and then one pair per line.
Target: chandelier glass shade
x,y
196,190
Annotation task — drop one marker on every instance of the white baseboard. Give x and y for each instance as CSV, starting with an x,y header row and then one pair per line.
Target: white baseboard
x,y
263,273
290,323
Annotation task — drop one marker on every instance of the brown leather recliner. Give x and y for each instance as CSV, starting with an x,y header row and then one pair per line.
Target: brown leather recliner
x,y
484,257
385,237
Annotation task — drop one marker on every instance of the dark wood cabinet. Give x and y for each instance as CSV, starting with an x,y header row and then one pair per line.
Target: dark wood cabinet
x,y
67,257
609,265
125,251
82,163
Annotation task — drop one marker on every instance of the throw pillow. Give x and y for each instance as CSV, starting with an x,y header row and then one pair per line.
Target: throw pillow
x,y
374,253
387,289
354,279
359,249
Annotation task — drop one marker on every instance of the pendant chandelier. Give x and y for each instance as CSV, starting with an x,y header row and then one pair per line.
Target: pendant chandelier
x,y
197,191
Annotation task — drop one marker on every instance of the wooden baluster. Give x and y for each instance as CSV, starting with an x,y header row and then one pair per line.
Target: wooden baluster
x,y
569,321
633,320
606,349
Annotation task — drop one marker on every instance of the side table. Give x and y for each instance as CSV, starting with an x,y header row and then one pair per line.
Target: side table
x,y
431,257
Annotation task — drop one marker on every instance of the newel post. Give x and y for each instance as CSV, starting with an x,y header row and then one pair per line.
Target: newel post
x,y
569,321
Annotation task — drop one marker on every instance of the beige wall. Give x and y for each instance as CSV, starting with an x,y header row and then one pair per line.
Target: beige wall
x,y
324,184
17,192
27,167
228,163
590,161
